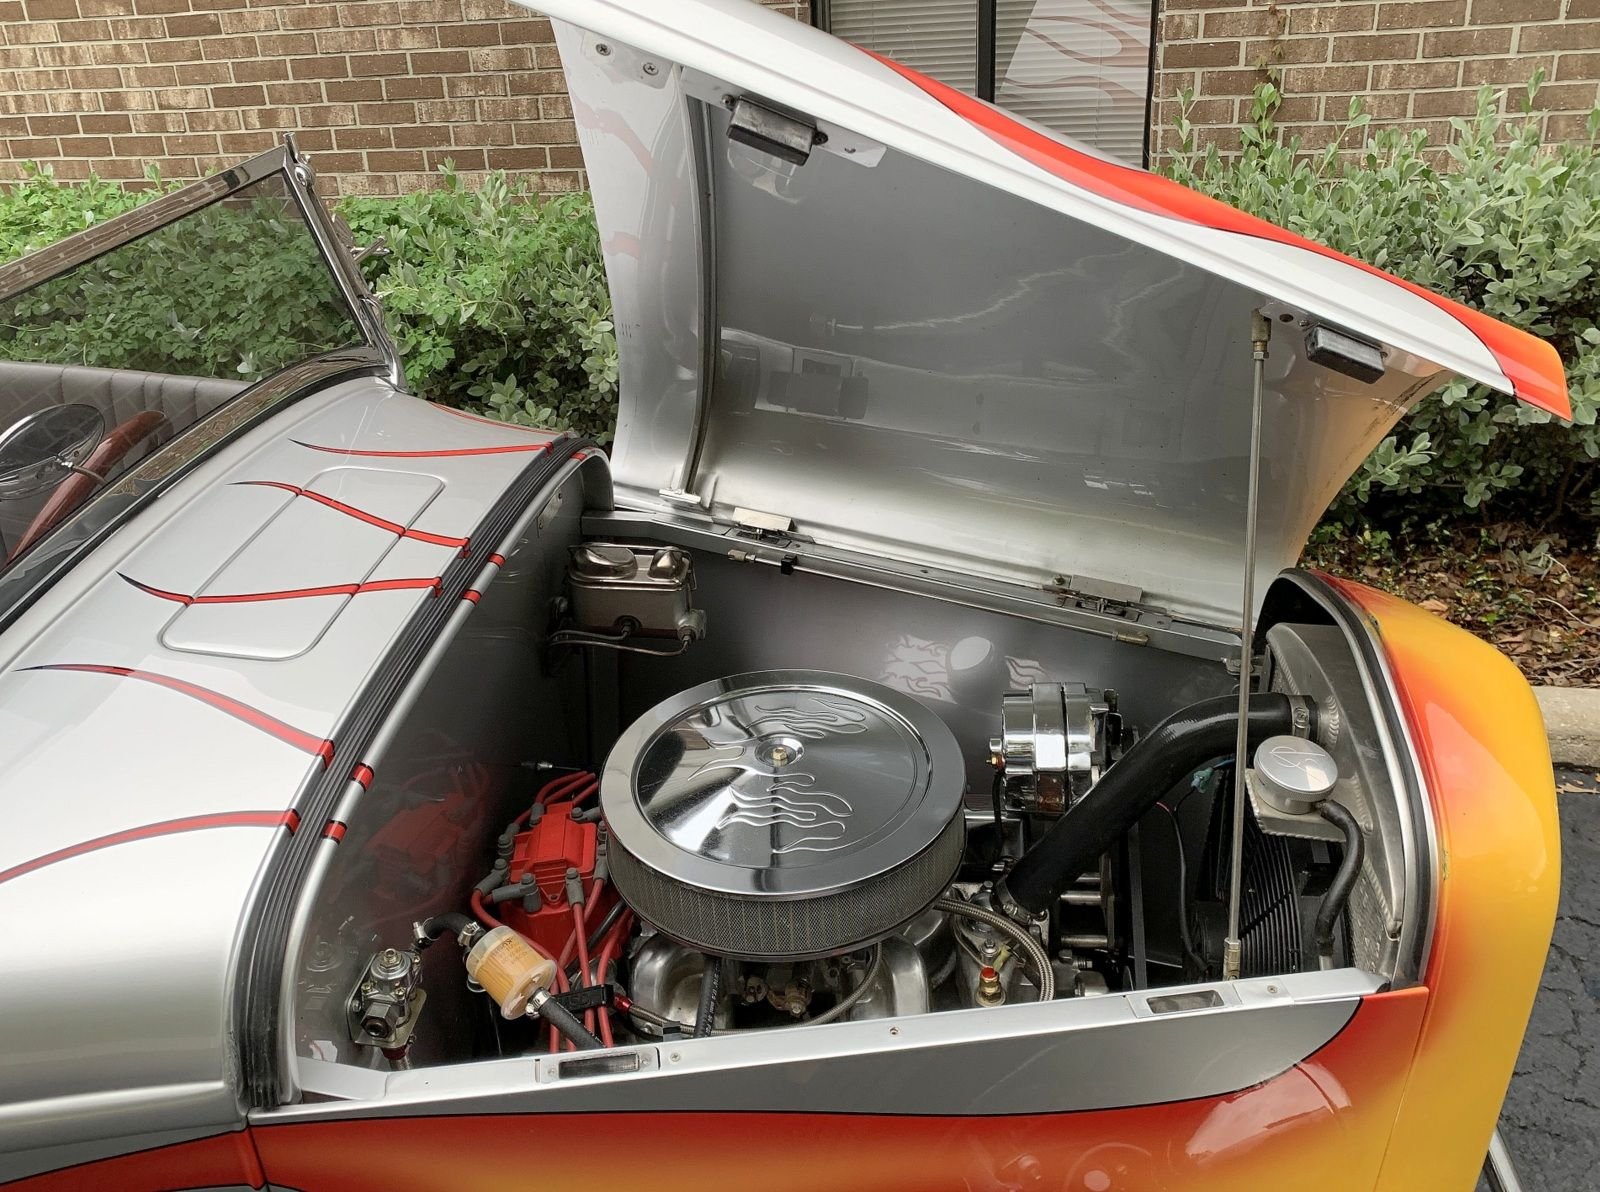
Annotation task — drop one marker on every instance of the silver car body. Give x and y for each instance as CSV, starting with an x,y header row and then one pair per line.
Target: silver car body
x,y
161,751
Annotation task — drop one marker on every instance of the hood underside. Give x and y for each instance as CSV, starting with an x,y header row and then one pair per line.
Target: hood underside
x,y
858,306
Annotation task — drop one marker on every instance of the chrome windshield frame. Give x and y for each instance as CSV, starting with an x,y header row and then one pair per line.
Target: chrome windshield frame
x,y
26,272
371,352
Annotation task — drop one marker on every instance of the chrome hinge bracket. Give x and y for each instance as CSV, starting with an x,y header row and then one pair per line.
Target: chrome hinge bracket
x,y
758,524
1105,597
678,494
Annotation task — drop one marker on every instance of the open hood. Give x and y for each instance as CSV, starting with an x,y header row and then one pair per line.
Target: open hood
x,y
862,308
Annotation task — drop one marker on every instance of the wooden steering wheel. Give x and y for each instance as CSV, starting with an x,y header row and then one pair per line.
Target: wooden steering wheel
x,y
89,475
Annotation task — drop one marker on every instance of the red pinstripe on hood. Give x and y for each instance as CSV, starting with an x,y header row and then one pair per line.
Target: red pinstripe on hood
x,y
308,742
351,589
193,823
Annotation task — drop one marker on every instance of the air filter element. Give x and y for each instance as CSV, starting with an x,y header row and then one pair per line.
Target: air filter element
x,y
784,814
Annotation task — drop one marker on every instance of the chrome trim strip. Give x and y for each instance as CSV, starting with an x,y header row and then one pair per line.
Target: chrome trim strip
x,y
256,980
1058,1057
204,436
1143,628
1498,1169
700,140
345,809
39,266
1419,845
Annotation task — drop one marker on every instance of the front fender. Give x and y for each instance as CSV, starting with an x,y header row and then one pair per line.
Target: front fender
x,y
1485,765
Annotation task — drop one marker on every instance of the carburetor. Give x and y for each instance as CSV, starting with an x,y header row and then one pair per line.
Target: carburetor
x,y
1055,738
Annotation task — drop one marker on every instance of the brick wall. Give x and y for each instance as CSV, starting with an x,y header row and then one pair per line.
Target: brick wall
x,y
384,91
1417,62
381,91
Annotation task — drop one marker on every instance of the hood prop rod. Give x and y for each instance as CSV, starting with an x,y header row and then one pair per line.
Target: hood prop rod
x,y
1260,333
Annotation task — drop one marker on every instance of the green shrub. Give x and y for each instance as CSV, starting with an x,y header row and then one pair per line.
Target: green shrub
x,y
496,297
235,290
1506,224
498,301
38,210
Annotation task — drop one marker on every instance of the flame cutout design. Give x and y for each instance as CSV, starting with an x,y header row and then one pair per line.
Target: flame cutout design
x,y
790,802
824,716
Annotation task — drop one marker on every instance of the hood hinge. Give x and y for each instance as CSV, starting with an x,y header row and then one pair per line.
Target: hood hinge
x,y
1103,596
755,523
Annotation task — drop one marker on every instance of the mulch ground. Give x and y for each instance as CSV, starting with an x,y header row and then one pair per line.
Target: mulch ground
x,y
1535,596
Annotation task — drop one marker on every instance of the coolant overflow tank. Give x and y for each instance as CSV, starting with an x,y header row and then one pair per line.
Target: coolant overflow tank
x,y
616,587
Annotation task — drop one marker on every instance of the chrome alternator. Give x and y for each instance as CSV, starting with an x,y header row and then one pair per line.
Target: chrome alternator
x,y
1053,743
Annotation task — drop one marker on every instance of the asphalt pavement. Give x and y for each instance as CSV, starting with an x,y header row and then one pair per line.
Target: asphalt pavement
x,y
1551,1117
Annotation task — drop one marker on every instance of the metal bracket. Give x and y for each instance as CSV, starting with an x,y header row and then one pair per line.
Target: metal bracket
x,y
785,137
588,997
678,494
1102,596
755,523
334,241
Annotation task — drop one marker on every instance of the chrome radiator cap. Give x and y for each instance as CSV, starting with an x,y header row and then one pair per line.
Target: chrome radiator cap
x,y
784,814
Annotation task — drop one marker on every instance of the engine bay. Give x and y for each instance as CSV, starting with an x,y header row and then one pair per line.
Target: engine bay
x,y
727,829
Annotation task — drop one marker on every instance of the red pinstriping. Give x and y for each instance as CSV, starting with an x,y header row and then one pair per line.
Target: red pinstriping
x,y
372,519
504,449
362,774
471,594
192,823
497,559
377,585
334,831
308,742
1529,363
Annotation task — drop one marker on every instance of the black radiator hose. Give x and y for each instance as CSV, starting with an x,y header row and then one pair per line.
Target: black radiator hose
x,y
1184,742
1333,902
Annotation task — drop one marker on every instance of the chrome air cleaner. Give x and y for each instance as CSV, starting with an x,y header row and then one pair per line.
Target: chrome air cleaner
x,y
784,814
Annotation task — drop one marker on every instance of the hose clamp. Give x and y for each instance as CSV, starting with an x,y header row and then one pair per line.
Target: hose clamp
x,y
1010,907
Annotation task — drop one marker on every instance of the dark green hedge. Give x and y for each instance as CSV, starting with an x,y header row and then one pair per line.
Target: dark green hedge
x,y
1496,219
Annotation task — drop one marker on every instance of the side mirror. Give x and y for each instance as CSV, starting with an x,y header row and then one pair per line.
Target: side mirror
x,y
41,449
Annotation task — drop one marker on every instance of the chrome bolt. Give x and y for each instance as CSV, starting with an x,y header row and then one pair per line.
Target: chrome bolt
x,y
650,68
602,49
